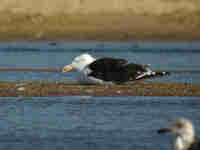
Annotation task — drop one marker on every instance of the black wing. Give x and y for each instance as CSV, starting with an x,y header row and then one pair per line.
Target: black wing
x,y
116,70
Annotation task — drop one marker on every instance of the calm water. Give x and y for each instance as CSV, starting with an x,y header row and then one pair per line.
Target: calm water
x,y
96,123
161,55
93,123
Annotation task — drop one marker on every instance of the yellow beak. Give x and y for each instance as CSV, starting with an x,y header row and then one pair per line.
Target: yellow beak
x,y
67,68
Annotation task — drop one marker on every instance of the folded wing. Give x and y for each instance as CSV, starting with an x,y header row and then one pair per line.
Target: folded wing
x,y
116,70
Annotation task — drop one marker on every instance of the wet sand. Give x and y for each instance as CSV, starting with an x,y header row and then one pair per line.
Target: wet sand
x,y
73,89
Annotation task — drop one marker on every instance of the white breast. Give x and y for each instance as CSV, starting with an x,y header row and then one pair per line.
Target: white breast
x,y
178,145
181,143
83,78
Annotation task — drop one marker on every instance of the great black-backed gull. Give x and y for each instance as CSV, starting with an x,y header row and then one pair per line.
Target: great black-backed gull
x,y
184,135
108,70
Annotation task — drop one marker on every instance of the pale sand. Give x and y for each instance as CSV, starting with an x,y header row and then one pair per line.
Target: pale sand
x,y
99,27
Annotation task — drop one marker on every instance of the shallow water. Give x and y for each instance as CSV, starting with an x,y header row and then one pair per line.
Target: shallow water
x,y
85,122
161,55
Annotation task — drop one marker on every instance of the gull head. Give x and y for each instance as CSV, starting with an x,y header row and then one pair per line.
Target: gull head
x,y
179,127
79,63
183,132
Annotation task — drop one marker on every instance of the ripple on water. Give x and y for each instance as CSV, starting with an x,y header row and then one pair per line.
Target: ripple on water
x,y
87,122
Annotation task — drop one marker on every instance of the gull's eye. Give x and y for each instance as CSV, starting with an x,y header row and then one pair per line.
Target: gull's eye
x,y
179,125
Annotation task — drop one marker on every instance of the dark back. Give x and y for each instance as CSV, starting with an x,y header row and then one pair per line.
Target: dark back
x,y
116,70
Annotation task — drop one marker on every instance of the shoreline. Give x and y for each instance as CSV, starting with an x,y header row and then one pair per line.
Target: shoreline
x,y
66,39
30,89
62,40
103,38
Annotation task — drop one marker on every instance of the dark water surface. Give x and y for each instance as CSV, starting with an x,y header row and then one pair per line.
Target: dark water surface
x,y
91,123
171,55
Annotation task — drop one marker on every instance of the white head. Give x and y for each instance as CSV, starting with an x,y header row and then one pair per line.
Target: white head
x,y
183,132
79,63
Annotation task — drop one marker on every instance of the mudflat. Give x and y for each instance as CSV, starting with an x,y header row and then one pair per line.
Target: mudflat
x,y
70,89
99,27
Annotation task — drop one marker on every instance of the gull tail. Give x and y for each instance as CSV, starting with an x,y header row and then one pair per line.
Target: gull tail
x,y
152,74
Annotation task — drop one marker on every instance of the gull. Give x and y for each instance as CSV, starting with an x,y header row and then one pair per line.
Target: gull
x,y
108,70
183,135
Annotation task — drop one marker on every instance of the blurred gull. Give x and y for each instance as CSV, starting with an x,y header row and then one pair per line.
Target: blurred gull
x,y
184,135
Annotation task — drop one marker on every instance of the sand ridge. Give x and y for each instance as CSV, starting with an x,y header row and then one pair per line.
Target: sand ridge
x,y
70,88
